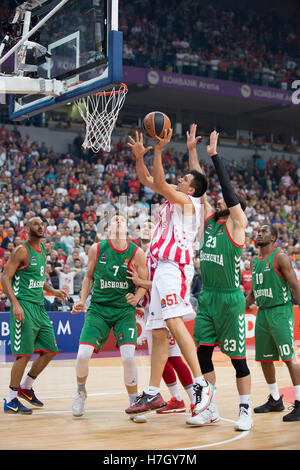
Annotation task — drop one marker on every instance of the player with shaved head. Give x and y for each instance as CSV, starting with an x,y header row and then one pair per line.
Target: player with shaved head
x,y
31,331
273,281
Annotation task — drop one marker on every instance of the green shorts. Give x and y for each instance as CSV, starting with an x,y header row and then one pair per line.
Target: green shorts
x,y
35,334
220,321
100,319
274,333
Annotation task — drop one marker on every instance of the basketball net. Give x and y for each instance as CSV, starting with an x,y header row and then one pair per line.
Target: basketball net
x,y
100,112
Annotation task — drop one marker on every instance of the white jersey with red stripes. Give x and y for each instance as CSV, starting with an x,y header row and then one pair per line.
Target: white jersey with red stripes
x,y
176,232
151,266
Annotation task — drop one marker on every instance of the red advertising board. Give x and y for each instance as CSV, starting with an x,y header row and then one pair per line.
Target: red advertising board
x,y
250,326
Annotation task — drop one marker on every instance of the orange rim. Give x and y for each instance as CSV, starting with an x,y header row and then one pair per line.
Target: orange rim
x,y
123,88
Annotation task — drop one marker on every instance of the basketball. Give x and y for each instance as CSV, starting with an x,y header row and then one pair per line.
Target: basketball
x,y
155,124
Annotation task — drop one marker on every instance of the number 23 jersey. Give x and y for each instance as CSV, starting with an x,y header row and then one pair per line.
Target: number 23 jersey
x,y
220,257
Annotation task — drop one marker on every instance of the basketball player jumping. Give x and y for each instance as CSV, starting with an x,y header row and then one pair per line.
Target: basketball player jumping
x,y
23,282
272,278
172,247
174,362
113,305
221,305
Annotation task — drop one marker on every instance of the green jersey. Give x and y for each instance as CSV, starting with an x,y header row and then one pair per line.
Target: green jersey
x,y
269,287
110,276
220,257
28,281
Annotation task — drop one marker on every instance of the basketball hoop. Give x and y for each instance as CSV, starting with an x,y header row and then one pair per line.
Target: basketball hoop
x,y
100,112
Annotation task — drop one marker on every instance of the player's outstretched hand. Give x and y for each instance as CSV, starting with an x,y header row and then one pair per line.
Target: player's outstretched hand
x,y
78,307
131,299
213,142
137,145
133,274
163,141
191,139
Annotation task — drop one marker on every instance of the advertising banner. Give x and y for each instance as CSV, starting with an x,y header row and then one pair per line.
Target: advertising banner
x,y
67,328
206,85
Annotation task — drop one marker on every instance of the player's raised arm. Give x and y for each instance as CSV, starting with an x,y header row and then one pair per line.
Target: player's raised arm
x,y
237,216
161,186
139,151
88,280
191,142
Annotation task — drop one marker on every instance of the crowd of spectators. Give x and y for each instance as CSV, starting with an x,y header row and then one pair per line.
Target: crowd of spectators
x,y
195,37
76,197
210,39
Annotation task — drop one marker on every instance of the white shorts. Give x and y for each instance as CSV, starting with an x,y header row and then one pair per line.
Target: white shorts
x,y
170,294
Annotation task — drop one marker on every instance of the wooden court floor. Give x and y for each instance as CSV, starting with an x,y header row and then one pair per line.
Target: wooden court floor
x,y
105,426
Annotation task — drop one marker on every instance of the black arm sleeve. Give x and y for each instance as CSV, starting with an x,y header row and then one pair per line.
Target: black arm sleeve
x,y
228,192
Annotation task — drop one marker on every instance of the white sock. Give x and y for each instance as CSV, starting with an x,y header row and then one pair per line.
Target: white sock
x,y
152,390
274,391
12,394
132,397
28,382
174,391
190,391
201,381
81,387
297,392
245,399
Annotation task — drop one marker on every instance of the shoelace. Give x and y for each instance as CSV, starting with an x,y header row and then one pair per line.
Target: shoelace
x,y
198,392
244,411
139,398
292,408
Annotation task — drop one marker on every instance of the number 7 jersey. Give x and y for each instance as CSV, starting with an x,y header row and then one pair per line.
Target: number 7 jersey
x,y
110,276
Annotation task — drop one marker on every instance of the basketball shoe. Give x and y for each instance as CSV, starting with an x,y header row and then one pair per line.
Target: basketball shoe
x,y
206,417
146,402
244,423
29,396
294,415
173,406
15,406
270,405
204,396
78,405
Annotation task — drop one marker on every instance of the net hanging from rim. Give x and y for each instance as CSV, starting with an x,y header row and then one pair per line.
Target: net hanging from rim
x,y
100,112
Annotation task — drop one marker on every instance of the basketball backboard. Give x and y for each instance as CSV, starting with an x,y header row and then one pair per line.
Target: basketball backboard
x,y
86,52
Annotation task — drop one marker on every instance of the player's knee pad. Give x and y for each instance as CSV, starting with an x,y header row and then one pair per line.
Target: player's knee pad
x,y
204,354
84,354
130,370
241,368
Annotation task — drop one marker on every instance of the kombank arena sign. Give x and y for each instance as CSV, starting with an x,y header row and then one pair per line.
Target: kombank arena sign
x,y
207,85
